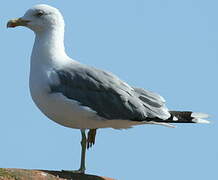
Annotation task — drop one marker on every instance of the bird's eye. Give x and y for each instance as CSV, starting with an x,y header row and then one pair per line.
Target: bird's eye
x,y
39,14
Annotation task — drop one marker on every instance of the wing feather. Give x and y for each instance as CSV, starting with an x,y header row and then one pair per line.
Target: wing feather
x,y
106,94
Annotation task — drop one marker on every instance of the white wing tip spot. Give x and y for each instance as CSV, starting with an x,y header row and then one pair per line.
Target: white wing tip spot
x,y
175,118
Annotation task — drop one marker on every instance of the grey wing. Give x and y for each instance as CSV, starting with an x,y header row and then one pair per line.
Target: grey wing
x,y
104,93
154,103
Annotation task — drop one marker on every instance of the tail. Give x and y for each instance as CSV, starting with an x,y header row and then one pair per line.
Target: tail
x,y
186,117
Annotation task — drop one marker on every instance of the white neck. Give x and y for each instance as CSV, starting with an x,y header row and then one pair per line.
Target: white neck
x,y
48,46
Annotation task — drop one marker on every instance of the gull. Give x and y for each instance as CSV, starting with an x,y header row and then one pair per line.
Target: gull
x,y
82,97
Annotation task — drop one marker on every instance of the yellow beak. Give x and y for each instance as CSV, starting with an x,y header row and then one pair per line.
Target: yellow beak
x,y
17,22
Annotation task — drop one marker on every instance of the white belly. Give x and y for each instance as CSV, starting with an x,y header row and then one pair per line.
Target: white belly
x,y
70,114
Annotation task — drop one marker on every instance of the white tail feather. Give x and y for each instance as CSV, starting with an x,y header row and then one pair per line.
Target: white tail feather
x,y
198,118
199,115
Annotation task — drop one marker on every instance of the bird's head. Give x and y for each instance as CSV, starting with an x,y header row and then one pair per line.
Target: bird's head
x,y
39,18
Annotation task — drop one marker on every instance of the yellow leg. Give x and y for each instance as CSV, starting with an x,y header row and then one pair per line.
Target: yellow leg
x,y
83,155
83,152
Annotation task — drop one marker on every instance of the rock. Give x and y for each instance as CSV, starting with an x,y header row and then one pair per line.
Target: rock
x,y
27,174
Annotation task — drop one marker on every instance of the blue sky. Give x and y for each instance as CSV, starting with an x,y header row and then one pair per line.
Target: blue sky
x,y
167,46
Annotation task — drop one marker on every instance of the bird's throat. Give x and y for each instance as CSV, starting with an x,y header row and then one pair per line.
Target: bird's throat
x,y
49,44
